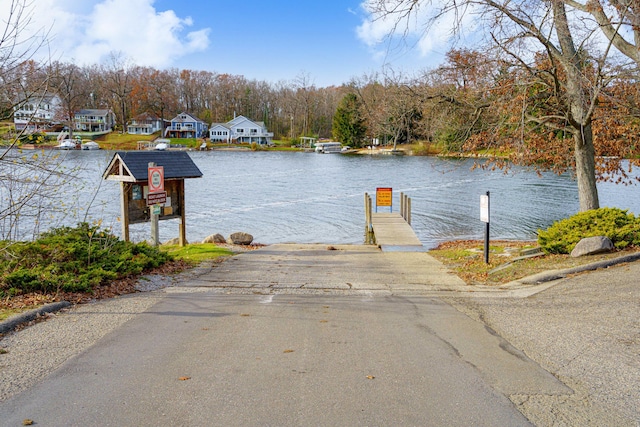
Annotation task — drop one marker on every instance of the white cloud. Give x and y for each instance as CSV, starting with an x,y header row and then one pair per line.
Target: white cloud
x,y
87,31
417,30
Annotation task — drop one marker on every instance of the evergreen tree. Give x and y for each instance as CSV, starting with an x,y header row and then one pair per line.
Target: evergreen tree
x,y
348,123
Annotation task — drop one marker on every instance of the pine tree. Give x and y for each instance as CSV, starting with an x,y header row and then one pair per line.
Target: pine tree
x,y
348,123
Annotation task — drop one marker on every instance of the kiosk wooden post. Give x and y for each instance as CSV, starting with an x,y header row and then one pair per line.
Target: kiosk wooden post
x,y
182,233
124,210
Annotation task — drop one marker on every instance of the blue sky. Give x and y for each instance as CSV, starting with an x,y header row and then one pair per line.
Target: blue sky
x,y
328,41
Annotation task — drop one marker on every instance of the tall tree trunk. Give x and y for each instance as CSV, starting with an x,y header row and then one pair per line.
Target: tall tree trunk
x,y
580,114
585,169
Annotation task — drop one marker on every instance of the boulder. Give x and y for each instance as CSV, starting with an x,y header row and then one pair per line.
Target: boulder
x,y
592,246
174,241
215,238
240,239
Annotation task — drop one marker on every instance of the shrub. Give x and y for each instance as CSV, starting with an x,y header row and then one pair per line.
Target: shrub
x,y
621,227
73,260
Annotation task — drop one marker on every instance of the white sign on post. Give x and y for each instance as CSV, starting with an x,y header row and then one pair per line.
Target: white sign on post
x,y
484,208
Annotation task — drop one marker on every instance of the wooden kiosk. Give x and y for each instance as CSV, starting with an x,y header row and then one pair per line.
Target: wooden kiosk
x,y
131,169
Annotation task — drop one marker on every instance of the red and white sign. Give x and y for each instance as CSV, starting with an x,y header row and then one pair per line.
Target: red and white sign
x,y
156,198
156,179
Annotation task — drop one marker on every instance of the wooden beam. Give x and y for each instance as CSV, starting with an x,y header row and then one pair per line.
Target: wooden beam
x,y
124,210
183,226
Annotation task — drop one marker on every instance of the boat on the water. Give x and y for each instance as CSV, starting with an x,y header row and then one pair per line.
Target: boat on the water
x,y
90,145
162,144
328,147
66,144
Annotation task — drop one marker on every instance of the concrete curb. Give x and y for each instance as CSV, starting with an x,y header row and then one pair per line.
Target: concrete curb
x,y
11,323
551,275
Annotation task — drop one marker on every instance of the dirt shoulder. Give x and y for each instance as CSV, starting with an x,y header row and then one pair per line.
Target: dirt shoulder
x,y
509,260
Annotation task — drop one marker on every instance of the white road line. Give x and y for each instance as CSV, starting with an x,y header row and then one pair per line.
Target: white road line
x,y
267,299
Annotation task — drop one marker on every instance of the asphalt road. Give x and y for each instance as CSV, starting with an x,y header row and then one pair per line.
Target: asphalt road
x,y
586,330
210,359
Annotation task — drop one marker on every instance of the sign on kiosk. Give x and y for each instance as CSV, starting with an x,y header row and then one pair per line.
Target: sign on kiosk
x,y
157,195
156,198
156,179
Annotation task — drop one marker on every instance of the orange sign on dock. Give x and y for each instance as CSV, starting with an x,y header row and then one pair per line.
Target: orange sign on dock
x,y
384,196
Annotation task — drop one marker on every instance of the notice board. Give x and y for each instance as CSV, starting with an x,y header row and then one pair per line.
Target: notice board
x,y
384,196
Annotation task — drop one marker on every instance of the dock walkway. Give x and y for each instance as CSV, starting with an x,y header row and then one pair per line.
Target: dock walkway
x,y
392,232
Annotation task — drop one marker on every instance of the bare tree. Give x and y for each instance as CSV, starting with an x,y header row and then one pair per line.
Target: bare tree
x,y
618,20
118,83
29,183
20,75
70,83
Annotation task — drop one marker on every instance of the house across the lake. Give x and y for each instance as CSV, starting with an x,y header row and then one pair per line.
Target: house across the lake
x,y
90,120
185,125
240,130
144,124
45,113
37,113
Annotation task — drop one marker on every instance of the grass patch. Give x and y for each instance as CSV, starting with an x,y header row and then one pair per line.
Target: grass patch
x,y
427,149
186,142
196,253
122,141
466,260
6,313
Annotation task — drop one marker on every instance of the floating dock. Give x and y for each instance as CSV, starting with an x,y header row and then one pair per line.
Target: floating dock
x,y
393,233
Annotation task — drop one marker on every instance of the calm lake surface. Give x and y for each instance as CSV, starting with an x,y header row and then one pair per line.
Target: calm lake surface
x,y
313,198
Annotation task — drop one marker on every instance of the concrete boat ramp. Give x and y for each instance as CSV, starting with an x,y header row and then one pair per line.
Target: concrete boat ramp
x,y
321,268
396,264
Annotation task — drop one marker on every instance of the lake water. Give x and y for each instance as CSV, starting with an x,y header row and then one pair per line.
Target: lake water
x,y
313,198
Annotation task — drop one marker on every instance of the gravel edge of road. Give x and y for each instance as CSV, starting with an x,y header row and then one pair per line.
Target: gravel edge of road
x,y
13,322
33,352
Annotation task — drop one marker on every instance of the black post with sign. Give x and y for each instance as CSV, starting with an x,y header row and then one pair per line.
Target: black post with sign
x,y
484,217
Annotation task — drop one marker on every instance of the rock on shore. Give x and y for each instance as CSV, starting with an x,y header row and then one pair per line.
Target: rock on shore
x,y
240,238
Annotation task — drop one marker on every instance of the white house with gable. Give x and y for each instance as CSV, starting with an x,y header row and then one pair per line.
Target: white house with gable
x,y
240,130
37,113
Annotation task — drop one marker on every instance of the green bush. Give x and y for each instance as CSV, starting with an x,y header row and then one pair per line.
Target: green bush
x,y
73,260
621,227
